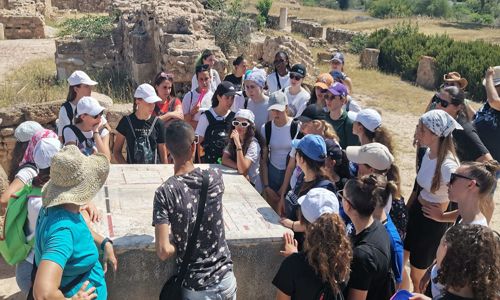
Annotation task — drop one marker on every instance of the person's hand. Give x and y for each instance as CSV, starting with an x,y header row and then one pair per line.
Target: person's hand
x,y
195,109
419,297
84,294
91,209
281,206
178,115
433,211
286,222
109,257
289,245
271,195
489,72
235,135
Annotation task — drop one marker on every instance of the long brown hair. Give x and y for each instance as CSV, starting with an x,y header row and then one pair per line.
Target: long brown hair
x,y
328,250
445,147
72,93
381,135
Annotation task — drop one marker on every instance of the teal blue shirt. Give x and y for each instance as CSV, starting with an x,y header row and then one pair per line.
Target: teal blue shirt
x,y
64,238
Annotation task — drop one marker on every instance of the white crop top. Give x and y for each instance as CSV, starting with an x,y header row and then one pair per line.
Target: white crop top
x,y
426,173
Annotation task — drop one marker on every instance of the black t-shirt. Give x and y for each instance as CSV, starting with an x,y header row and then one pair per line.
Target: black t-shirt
x,y
237,81
297,279
371,262
467,142
141,127
176,204
487,124
450,296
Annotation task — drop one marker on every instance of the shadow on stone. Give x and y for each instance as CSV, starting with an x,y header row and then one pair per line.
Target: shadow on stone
x,y
268,214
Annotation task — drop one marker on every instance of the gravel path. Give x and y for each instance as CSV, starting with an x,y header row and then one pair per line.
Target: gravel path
x,y
14,53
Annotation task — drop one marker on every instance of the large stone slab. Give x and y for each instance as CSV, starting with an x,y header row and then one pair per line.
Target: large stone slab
x,y
126,201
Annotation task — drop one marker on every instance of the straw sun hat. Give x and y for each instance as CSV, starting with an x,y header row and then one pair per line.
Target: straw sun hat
x,y
74,177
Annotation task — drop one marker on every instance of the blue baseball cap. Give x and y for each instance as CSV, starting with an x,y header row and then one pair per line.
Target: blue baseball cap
x,y
312,145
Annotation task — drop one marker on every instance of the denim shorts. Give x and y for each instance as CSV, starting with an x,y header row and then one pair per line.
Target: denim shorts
x,y
224,290
275,177
23,276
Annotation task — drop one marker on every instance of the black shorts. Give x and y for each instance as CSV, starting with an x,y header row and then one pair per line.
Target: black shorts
x,y
423,236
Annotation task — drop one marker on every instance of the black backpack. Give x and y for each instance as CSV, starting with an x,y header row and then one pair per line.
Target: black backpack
x,y
142,151
268,128
216,137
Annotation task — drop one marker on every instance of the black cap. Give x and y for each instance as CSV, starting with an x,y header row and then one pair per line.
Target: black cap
x,y
299,69
333,150
226,88
312,112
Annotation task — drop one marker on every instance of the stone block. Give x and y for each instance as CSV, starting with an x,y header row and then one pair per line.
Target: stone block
x,y
427,76
369,58
339,36
307,28
323,56
7,132
2,33
179,24
142,47
104,100
11,116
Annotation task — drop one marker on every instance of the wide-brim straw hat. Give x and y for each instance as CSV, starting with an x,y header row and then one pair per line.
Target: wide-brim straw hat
x,y
74,177
456,77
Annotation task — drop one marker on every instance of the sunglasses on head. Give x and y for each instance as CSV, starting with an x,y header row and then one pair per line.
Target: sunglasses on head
x,y
241,124
295,77
455,176
167,75
438,100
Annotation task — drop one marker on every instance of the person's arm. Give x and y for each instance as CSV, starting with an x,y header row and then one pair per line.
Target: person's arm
x,y
282,296
163,153
15,186
484,158
228,162
288,175
491,91
101,147
164,248
117,148
355,294
435,212
176,114
348,83
242,162
63,121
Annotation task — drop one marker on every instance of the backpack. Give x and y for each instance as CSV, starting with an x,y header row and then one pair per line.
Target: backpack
x,y
14,246
268,128
69,111
89,146
216,137
142,151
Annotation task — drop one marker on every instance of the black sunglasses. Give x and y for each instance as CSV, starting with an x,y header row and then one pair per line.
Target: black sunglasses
x,y
455,176
295,77
340,194
438,100
98,115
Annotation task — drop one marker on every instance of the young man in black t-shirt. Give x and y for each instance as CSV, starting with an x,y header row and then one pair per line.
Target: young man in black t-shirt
x,y
210,271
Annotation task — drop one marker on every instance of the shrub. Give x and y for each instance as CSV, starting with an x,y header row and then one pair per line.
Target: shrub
x,y
358,43
402,47
434,8
390,8
88,27
343,4
264,6
230,27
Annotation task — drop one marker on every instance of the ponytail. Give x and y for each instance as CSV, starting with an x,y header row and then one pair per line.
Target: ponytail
x,y
380,135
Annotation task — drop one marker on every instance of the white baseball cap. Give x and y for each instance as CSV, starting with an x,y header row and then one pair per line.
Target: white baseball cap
x,y
368,117
26,130
316,202
80,77
375,155
89,106
44,150
245,114
147,93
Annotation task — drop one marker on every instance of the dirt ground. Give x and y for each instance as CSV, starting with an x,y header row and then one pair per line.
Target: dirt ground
x,y
15,52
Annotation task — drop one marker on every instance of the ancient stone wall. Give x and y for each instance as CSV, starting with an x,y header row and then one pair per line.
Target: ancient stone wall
x,y
307,28
18,25
339,36
92,6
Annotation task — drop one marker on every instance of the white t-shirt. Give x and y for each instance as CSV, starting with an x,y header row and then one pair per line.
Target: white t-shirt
x,y
26,175
70,136
63,118
203,122
253,154
272,83
34,206
191,99
426,173
213,83
297,103
280,144
352,104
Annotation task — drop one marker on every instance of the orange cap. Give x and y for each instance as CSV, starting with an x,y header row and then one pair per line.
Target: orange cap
x,y
324,81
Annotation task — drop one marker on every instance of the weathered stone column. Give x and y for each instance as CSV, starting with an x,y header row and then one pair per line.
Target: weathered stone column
x,y
283,17
427,72
369,58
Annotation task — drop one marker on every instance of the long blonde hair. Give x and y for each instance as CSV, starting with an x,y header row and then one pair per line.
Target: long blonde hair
x,y
445,147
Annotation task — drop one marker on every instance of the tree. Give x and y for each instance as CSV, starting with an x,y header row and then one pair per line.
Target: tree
x,y
343,4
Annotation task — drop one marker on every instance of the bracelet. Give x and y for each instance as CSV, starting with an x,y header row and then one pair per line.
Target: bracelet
x,y
238,149
293,223
106,240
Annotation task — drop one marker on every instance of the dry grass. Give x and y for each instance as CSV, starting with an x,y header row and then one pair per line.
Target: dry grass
x,y
353,20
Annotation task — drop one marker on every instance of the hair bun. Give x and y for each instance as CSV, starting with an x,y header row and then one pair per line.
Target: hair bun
x,y
492,166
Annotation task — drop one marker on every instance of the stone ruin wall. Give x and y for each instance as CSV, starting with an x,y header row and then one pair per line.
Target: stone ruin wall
x,y
86,6
24,19
307,28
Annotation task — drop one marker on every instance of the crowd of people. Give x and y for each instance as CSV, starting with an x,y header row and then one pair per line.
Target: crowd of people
x,y
323,162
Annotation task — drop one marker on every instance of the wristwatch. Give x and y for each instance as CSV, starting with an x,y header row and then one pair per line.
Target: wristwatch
x,y
106,240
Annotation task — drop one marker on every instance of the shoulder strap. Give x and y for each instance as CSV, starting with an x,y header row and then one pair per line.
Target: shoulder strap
x,y
267,129
293,129
199,218
69,111
278,80
191,100
246,103
78,133
210,117
152,126
131,126
230,116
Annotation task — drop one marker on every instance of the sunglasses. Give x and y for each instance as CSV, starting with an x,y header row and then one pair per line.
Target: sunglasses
x,y
167,75
438,100
241,124
295,77
98,115
330,97
340,194
455,176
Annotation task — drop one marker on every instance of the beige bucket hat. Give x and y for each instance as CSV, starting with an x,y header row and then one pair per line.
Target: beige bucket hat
x,y
74,177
